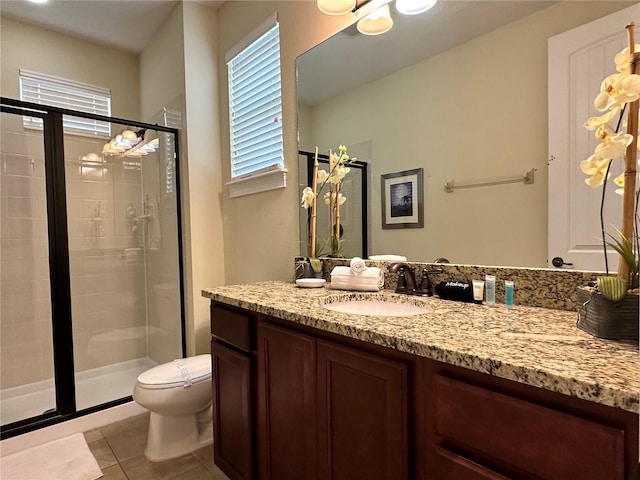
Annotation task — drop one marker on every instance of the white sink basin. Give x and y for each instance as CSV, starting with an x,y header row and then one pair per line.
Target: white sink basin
x,y
378,308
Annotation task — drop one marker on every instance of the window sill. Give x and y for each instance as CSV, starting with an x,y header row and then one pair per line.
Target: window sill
x,y
268,179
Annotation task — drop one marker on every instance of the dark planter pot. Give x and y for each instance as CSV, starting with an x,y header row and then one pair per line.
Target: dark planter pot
x,y
605,319
303,269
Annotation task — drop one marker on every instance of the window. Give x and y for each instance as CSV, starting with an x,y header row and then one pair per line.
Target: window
x,y
255,112
59,92
172,117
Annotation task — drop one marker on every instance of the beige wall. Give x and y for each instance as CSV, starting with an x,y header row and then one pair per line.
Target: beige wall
x,y
261,230
45,51
203,181
162,67
476,112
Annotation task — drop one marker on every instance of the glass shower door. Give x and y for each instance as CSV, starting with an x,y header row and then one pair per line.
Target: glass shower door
x,y
90,277
27,387
123,259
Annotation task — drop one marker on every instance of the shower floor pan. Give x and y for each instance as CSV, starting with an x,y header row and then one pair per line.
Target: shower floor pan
x,y
93,387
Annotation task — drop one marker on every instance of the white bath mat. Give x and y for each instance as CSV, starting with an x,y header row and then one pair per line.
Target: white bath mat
x,y
68,458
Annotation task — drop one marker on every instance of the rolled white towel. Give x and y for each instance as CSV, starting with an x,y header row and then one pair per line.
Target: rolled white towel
x,y
357,265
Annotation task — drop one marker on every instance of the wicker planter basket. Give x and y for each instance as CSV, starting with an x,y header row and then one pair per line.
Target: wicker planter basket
x,y
604,319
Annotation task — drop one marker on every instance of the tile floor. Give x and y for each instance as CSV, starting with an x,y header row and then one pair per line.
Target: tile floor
x,y
119,450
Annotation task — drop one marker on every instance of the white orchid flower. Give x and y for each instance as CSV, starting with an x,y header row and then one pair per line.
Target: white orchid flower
x,y
338,174
334,159
307,197
331,196
613,144
596,167
616,90
623,59
619,181
323,175
594,123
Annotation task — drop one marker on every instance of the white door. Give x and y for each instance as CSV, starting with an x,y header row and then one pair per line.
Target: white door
x,y
578,62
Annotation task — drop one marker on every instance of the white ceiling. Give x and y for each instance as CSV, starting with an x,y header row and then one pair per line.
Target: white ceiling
x,y
350,59
346,60
124,24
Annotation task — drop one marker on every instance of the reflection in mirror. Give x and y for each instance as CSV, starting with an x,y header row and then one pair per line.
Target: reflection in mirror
x,y
460,91
353,221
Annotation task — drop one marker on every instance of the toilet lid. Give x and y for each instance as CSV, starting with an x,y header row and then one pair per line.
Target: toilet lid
x,y
182,370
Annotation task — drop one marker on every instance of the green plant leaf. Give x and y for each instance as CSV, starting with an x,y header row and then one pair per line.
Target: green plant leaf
x,y
316,264
625,249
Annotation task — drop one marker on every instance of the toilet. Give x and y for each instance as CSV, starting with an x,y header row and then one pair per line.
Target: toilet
x,y
178,395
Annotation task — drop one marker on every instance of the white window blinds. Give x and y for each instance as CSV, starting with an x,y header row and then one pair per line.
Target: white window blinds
x,y
59,92
255,105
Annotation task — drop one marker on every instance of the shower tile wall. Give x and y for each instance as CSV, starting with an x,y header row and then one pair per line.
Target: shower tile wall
x,y
109,300
25,313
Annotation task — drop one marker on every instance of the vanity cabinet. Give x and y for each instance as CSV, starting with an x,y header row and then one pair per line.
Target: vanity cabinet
x,y
295,402
484,427
543,442
362,415
327,411
286,404
232,365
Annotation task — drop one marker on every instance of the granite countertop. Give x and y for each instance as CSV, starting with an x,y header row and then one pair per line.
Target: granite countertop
x,y
535,346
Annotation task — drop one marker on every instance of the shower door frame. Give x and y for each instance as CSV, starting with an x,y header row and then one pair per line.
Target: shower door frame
x,y
59,270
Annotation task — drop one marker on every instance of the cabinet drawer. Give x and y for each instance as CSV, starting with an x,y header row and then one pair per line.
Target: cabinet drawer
x,y
538,440
231,327
449,466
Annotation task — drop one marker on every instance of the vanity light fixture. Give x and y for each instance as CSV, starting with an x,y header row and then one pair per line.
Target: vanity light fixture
x,y
377,22
131,144
336,7
38,1
414,7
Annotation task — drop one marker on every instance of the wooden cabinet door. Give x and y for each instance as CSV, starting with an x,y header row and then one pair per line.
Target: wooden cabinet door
x,y
449,466
232,445
362,415
286,404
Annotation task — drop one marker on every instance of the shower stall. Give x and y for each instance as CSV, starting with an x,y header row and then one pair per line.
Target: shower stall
x,y
91,287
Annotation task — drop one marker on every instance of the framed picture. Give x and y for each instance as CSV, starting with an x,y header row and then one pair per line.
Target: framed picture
x,y
402,199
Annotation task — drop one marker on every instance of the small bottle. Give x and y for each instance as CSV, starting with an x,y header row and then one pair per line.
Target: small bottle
x,y
490,290
478,291
508,293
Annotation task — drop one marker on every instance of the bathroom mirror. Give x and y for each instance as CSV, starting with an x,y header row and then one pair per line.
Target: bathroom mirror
x,y
460,91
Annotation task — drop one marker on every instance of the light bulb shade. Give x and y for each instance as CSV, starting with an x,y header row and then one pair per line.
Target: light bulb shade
x,y
114,147
129,137
377,22
91,158
414,7
336,7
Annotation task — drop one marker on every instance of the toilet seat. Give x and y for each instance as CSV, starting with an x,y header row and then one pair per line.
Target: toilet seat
x,y
182,372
